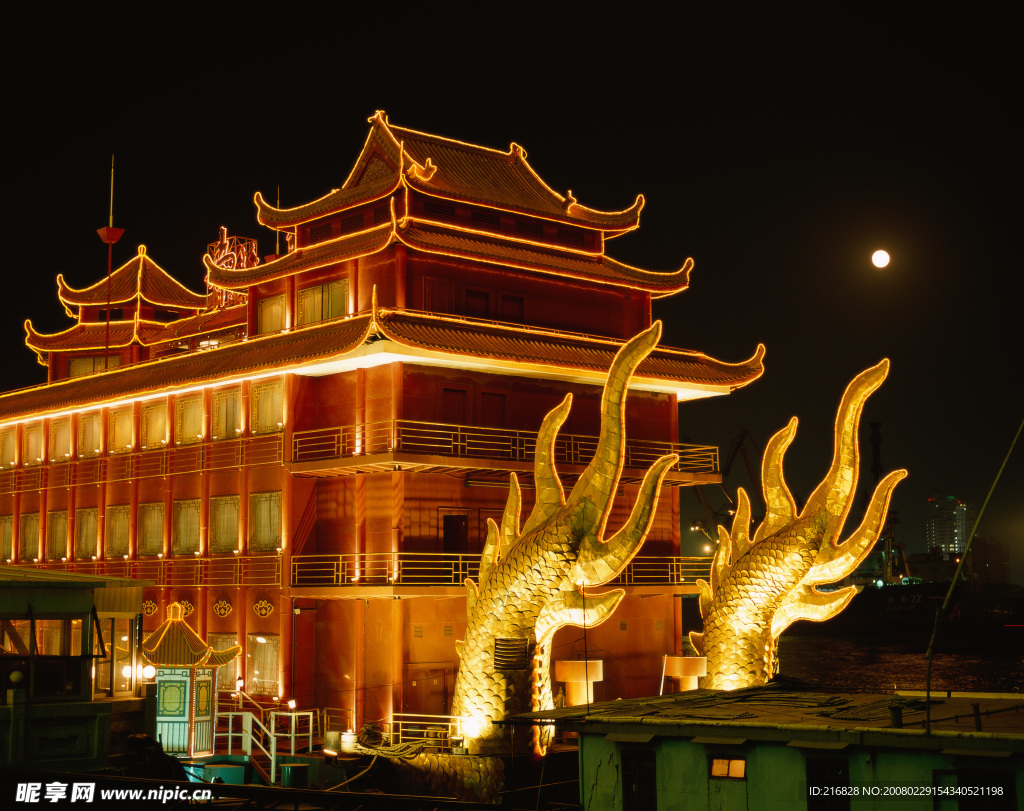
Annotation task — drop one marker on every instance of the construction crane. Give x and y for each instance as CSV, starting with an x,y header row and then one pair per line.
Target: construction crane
x,y
723,514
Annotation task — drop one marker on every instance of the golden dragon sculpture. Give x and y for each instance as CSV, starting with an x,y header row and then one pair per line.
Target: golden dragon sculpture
x,y
760,585
533,579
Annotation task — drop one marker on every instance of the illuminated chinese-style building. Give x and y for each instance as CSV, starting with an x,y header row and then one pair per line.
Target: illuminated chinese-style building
x,y
304,456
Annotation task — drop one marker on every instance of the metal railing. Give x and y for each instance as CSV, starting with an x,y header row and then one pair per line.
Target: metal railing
x,y
463,441
336,719
440,569
228,454
251,731
299,723
436,731
233,570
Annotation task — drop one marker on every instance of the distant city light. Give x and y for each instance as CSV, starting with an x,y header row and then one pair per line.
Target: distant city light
x,y
880,259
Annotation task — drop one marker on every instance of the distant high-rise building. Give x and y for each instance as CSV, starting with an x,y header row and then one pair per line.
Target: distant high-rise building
x,y
949,521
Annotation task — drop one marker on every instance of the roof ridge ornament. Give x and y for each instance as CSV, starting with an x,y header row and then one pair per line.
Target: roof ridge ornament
x,y
516,151
422,173
570,200
378,117
374,324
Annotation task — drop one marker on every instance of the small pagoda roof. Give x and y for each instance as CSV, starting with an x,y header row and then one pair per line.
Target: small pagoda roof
x,y
433,238
138,279
454,170
84,337
425,337
175,644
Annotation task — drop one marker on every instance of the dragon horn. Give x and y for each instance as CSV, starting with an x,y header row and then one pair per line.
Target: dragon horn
x,y
600,480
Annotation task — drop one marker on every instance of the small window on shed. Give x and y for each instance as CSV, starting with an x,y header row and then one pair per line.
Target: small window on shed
x,y
511,654
728,768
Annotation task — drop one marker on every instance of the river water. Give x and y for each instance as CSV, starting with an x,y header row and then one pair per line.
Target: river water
x,y
985,663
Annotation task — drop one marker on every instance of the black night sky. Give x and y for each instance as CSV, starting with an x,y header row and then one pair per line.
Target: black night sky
x,y
777,152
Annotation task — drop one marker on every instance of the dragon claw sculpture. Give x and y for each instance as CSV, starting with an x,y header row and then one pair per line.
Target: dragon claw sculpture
x,y
533,579
760,585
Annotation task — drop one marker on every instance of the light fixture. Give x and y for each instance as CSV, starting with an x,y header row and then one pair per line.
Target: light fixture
x,y
262,640
291,703
348,742
235,552
126,671
239,683
148,672
125,557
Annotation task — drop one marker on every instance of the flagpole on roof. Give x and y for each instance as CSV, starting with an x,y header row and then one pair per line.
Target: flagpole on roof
x,y
109,235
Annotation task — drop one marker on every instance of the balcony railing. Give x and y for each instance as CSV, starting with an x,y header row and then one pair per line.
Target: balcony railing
x,y
237,570
224,455
462,441
440,569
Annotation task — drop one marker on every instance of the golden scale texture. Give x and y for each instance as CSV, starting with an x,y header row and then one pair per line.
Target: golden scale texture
x,y
533,579
760,585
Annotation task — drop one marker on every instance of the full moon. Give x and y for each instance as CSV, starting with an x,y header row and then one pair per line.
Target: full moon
x,y
880,259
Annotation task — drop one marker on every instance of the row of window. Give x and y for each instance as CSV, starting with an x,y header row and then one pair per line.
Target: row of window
x,y
113,674
264,529
261,663
320,302
266,417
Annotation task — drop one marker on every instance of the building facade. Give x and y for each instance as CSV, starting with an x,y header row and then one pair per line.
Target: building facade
x,y
305,456
948,523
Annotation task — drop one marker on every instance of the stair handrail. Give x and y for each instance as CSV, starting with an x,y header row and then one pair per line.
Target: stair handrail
x,y
250,725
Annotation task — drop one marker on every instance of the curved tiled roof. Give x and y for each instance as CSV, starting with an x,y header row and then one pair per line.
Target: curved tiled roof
x,y
454,170
259,355
505,180
204,323
316,256
511,343
441,239
534,256
138,278
83,337
335,200
175,644
331,340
